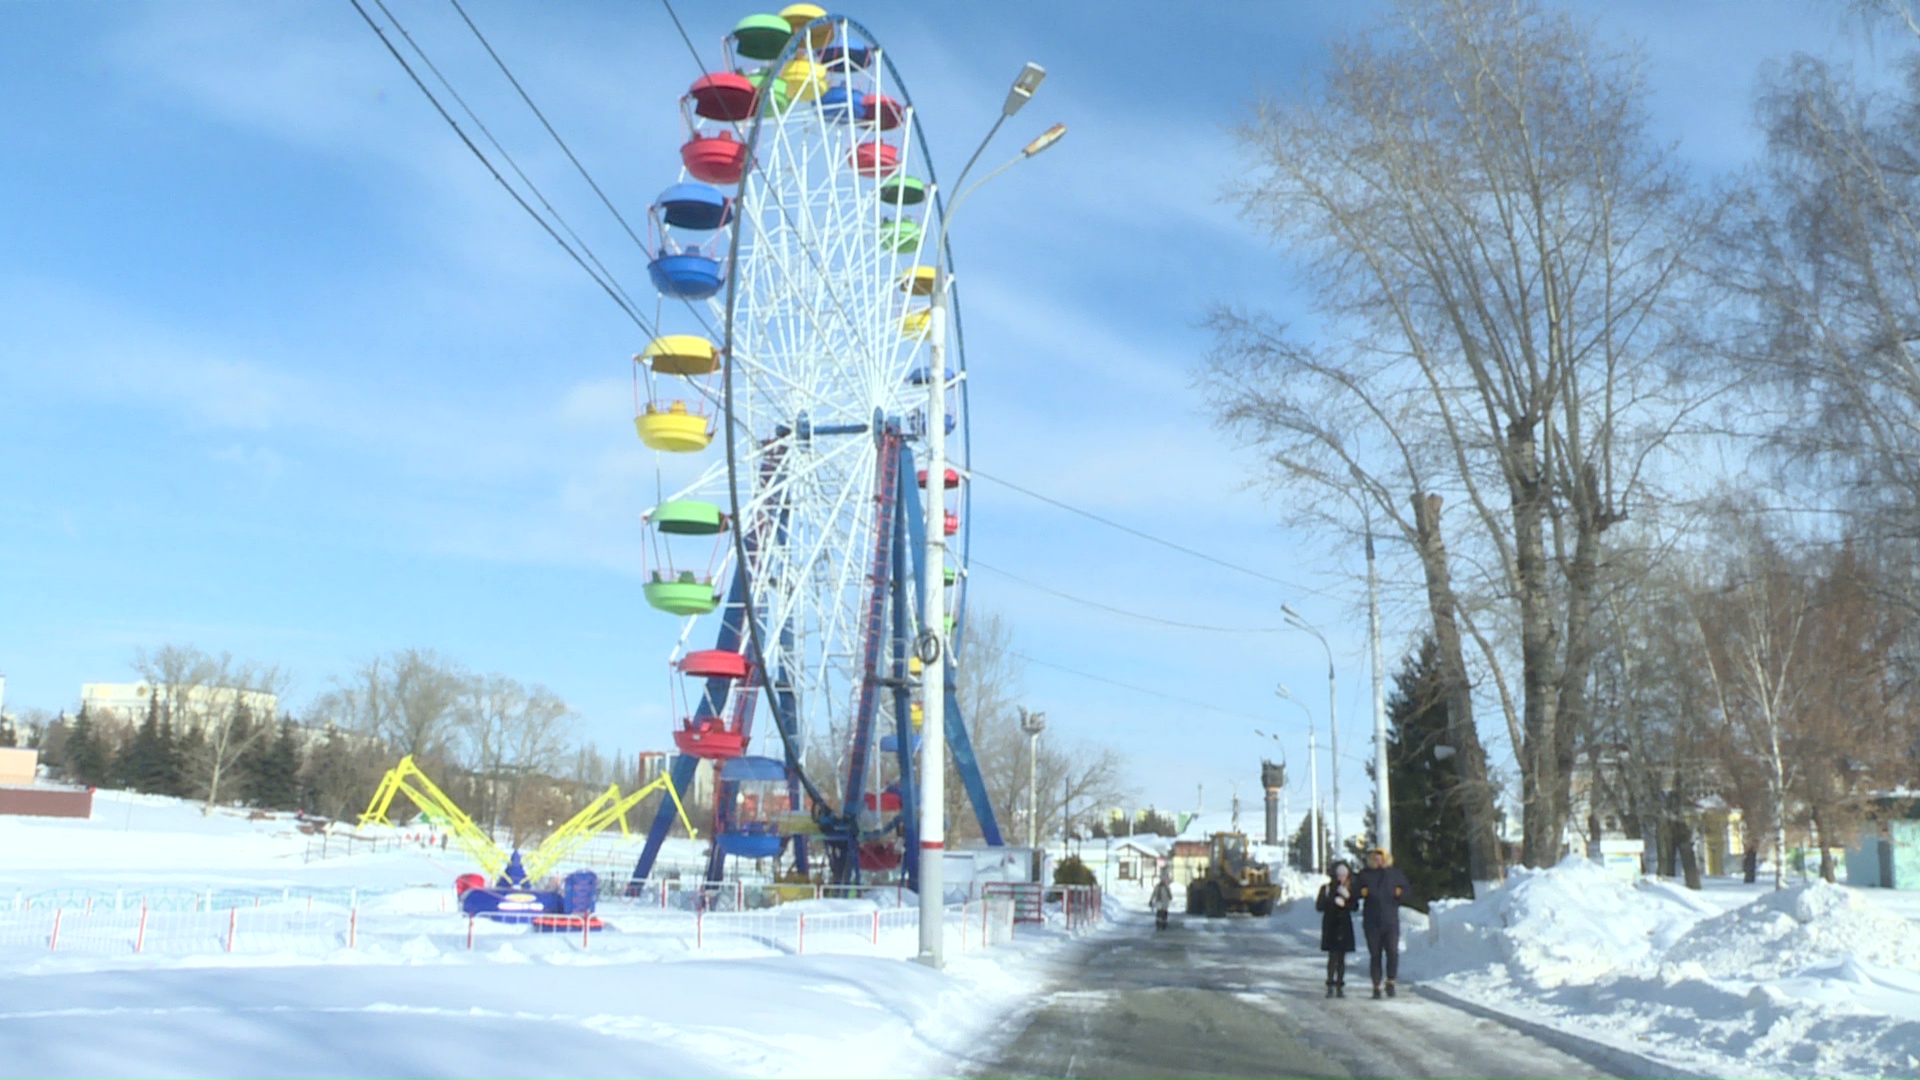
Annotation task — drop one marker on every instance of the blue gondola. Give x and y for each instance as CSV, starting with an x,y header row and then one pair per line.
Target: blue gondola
x,y
753,834
687,275
838,105
694,206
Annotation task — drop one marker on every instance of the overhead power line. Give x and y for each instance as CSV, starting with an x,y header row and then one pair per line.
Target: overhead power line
x,y
976,564
542,117
695,53
1149,537
606,284
1189,702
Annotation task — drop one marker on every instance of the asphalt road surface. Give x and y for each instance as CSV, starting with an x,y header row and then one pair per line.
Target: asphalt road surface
x,y
1235,998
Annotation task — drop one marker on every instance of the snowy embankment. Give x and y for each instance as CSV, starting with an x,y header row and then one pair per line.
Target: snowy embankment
x,y
403,992
1813,980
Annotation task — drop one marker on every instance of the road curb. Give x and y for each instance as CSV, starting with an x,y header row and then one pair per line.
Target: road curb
x,y
1615,1059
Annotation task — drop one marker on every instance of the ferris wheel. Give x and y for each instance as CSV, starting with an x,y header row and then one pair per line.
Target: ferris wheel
x,y
800,240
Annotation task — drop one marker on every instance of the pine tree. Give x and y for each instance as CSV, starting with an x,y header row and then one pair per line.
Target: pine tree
x,y
142,763
1429,819
85,752
1303,843
172,771
271,769
189,746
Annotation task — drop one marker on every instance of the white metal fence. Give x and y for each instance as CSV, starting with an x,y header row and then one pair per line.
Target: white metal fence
x,y
306,927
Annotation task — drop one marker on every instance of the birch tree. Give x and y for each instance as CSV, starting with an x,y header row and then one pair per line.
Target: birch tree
x,y
1498,253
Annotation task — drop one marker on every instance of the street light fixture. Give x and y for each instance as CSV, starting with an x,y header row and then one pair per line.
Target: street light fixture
x,y
1295,620
933,637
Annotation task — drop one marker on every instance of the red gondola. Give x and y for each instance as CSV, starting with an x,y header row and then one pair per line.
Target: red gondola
x,y
876,159
715,159
723,96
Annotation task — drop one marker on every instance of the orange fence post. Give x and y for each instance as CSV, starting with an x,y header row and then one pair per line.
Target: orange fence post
x,y
140,935
53,943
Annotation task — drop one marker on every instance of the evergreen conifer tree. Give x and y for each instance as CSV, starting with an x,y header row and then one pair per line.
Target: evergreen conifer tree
x,y
1303,843
1429,817
87,757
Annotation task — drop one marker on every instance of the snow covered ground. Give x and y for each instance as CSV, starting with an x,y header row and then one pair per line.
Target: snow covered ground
x,y
1735,980
409,998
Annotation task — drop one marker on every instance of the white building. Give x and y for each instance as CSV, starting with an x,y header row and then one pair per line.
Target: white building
x,y
129,701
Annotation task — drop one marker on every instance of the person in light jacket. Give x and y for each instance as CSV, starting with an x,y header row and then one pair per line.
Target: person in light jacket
x,y
1162,899
1335,904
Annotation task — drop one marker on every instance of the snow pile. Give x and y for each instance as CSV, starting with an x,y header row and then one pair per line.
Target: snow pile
x,y
1784,932
1815,980
1573,923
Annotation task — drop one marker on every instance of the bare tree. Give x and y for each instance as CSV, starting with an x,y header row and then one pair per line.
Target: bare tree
x,y
409,698
513,732
1499,257
1830,257
989,689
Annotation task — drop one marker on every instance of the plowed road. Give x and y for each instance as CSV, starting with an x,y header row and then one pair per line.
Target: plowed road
x,y
1234,998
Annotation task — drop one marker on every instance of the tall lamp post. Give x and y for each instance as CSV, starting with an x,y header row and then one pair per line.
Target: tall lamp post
x,y
933,634
1333,711
1313,775
1033,723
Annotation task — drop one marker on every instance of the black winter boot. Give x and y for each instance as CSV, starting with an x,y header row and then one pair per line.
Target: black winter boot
x,y
1329,989
1389,987
1376,991
1339,990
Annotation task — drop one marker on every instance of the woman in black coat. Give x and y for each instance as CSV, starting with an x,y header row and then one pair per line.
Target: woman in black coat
x,y
1335,905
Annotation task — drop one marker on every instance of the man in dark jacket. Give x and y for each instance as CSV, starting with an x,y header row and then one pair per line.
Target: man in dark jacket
x,y
1382,887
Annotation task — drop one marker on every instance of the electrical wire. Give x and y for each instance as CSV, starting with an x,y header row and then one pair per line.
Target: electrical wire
x,y
1149,537
502,150
977,564
1138,689
542,117
695,53
606,285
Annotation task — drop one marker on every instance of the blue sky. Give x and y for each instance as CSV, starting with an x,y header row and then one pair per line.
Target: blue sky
x,y
284,373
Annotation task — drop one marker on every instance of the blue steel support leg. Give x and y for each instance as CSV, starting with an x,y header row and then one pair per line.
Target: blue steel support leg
x,y
959,744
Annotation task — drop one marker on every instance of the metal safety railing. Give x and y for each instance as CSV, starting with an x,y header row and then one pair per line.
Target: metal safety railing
x,y
311,929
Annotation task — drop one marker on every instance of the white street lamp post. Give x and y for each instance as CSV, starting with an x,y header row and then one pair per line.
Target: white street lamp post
x,y
1033,723
1333,713
933,634
1382,789
1313,774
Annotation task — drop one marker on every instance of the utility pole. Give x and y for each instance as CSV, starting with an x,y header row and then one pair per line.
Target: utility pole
x,y
1382,790
1313,805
